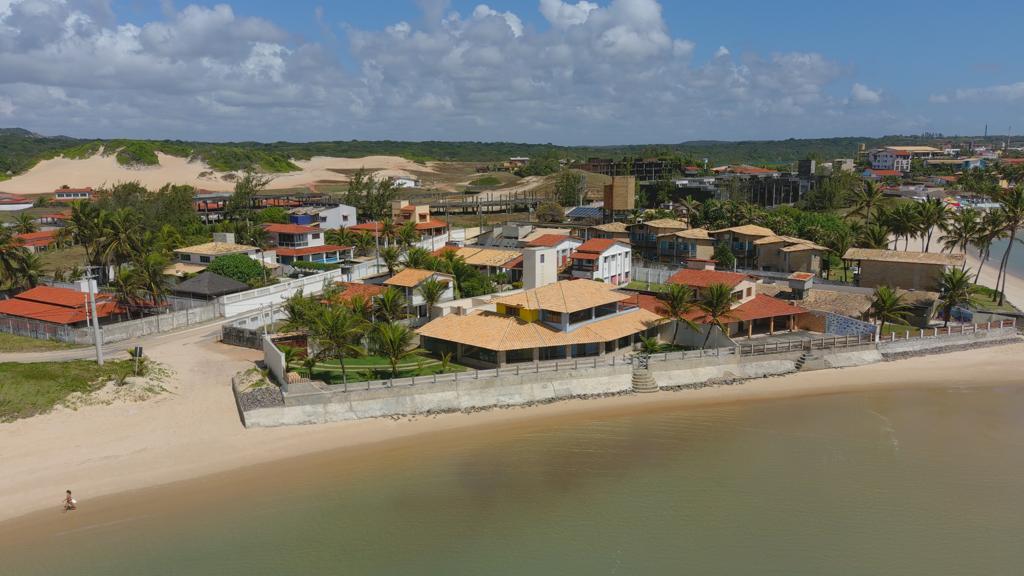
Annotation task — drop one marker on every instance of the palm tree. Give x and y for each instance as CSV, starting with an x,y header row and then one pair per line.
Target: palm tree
x,y
960,231
689,207
839,241
11,254
1012,211
387,230
904,221
887,306
127,289
25,224
391,257
30,270
932,214
432,290
715,302
364,243
340,237
418,257
866,198
87,228
360,306
874,236
650,345
394,342
149,271
338,333
955,289
390,305
677,302
991,227
121,234
408,235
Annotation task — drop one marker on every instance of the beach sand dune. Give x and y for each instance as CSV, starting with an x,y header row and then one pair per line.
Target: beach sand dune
x,y
100,170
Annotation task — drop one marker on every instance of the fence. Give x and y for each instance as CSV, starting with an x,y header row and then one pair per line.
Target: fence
x,y
39,330
242,302
659,273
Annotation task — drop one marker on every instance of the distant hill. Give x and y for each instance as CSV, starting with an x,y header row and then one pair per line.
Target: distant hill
x,y
20,149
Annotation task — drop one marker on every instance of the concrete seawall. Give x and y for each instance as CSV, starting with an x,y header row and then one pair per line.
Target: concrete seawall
x,y
317,407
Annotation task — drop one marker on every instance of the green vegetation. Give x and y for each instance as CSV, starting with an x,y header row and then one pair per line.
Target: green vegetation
x,y
30,389
641,286
487,181
375,368
12,343
318,266
239,267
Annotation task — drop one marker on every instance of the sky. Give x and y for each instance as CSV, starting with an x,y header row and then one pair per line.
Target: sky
x,y
583,72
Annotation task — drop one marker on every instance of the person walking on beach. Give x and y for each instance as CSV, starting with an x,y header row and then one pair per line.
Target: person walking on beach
x,y
70,503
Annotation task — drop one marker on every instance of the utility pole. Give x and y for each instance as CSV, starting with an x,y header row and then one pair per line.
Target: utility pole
x,y
97,335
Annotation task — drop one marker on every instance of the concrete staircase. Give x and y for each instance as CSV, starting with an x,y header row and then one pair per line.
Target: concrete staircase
x,y
801,361
643,381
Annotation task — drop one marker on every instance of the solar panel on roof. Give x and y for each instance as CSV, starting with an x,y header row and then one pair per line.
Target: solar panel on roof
x,y
586,212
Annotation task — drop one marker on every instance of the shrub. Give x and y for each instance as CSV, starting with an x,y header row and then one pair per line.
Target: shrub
x,y
239,267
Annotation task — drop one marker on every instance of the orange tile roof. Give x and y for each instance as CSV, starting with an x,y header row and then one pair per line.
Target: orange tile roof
x,y
597,245
431,225
565,296
549,240
747,230
57,305
705,278
409,277
41,238
289,229
498,332
352,290
55,296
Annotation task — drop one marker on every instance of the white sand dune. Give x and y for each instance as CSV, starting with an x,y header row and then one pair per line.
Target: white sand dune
x,y
100,170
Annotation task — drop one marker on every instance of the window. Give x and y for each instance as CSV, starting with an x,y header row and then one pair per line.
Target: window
x,y
481,354
586,350
749,290
518,356
541,258
552,317
552,353
344,217
315,236
580,316
204,259
185,257
737,294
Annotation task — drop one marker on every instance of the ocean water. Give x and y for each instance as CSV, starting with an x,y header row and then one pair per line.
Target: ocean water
x,y
896,483
1016,264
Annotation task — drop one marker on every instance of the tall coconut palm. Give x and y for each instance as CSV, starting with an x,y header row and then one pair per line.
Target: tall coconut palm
x,y
391,256
676,303
364,243
932,214
839,241
960,230
715,303
866,199
338,334
11,254
956,289
30,270
904,221
340,237
394,342
887,306
1012,210
991,228
432,291
873,236
149,271
87,228
388,231
391,305
121,235
127,289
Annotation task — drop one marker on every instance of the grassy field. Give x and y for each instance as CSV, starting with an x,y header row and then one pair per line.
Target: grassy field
x,y
642,286
30,389
12,343
988,301
63,258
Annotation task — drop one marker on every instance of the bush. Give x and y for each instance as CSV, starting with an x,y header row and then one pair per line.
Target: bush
x,y
726,259
239,267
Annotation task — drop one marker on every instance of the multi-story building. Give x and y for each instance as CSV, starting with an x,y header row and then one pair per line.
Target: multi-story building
x,y
644,236
740,239
609,261
677,247
567,319
789,254
613,230
563,245
402,212
293,242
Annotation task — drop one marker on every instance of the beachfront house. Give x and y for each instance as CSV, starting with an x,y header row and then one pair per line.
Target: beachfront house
x,y
194,259
323,217
567,319
613,230
899,269
296,243
685,245
789,254
562,244
44,308
489,261
408,282
741,240
602,259
645,236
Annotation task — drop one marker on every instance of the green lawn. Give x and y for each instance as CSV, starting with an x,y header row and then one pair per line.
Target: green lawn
x,y
375,368
12,343
988,302
63,258
30,389
899,329
641,286
486,181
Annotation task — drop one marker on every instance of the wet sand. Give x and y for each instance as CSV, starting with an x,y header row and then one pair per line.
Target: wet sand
x,y
186,474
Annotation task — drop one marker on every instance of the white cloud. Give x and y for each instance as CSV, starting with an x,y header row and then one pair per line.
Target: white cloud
x,y
6,107
601,73
1002,93
865,95
722,52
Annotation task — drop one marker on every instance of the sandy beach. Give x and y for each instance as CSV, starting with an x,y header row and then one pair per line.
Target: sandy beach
x,y
99,171
194,431
1014,284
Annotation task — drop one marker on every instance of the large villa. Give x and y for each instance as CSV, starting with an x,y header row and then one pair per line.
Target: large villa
x,y
567,319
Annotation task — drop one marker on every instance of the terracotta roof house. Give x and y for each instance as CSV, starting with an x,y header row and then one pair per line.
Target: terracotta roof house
x,y
38,241
563,245
603,259
685,245
568,319
789,254
350,290
61,306
900,269
644,236
614,230
741,240
297,243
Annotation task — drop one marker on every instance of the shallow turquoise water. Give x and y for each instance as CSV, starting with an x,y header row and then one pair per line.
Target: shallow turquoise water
x,y
902,482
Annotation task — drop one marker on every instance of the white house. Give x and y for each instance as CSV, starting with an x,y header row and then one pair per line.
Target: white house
x,y
603,259
294,242
326,218
408,282
72,194
889,159
563,244
195,259
403,182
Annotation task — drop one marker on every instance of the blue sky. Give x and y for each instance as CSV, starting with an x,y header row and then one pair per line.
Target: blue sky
x,y
602,72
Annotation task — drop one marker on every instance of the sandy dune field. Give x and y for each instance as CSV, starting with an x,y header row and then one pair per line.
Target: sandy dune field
x,y
99,170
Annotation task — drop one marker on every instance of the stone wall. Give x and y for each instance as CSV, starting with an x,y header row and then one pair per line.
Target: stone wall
x,y
846,326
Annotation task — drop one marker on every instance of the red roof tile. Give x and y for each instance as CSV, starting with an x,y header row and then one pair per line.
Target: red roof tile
x,y
705,278
354,289
35,239
549,240
584,256
56,305
56,296
431,225
310,250
597,245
